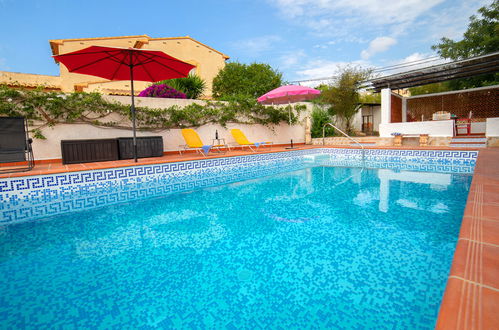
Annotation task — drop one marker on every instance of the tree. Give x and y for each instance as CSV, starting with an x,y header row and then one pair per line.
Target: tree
x,y
481,37
343,95
239,81
320,117
192,86
430,88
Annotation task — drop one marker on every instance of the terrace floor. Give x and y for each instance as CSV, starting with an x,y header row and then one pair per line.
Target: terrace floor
x,y
55,166
471,299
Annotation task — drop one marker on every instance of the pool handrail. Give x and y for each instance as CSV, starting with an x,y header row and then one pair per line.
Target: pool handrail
x,y
348,136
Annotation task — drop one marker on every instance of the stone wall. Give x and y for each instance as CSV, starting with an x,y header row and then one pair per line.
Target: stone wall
x,y
383,141
493,142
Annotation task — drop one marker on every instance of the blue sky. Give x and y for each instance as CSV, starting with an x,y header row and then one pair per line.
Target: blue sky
x,y
303,39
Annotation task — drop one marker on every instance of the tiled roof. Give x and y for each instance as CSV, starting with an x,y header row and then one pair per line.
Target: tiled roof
x,y
142,39
54,44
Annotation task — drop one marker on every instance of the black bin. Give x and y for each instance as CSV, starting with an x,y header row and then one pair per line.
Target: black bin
x,y
147,146
85,151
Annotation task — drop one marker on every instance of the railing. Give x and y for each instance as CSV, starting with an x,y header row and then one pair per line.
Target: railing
x,y
348,136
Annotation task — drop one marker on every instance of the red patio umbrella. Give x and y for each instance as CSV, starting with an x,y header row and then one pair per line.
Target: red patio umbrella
x,y
115,63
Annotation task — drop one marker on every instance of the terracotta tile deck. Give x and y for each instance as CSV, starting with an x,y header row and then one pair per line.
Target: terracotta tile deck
x,y
471,299
56,166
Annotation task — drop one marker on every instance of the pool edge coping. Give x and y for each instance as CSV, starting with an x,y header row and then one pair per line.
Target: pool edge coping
x,y
471,296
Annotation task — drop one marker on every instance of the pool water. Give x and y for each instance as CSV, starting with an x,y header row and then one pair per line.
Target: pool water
x,y
321,247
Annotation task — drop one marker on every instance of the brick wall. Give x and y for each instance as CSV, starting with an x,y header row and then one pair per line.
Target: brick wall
x,y
484,103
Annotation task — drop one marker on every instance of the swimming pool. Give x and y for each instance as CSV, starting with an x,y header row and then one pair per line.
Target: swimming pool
x,y
307,245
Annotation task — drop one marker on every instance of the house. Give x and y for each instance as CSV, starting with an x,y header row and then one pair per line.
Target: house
x,y
208,62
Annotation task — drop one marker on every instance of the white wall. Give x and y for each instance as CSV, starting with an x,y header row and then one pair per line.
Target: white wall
x,y
151,102
386,104
478,127
433,128
357,121
492,128
172,138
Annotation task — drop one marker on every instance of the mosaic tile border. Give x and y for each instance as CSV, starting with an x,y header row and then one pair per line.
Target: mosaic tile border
x,y
27,198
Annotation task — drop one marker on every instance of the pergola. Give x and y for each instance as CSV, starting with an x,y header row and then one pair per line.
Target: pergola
x,y
448,71
402,114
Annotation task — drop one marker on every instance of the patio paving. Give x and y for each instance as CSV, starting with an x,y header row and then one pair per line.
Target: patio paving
x,y
471,300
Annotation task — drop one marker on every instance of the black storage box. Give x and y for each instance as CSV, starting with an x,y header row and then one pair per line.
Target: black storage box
x,y
147,146
85,151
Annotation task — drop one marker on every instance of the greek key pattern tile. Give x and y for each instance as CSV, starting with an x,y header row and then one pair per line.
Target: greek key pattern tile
x,y
32,197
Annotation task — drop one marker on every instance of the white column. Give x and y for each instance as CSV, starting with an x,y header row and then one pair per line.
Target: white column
x,y
384,190
386,104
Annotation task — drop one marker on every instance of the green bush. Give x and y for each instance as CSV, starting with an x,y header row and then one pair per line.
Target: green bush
x,y
320,117
242,81
192,86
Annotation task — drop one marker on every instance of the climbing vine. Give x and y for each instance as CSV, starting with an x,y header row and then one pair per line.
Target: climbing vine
x,y
51,108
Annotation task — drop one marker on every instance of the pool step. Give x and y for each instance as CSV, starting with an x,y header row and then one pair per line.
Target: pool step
x,y
363,143
471,141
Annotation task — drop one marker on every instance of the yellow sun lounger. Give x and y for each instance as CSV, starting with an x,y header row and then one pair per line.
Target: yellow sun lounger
x,y
193,142
243,141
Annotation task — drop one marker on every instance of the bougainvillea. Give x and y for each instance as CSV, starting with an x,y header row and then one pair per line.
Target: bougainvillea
x,y
163,91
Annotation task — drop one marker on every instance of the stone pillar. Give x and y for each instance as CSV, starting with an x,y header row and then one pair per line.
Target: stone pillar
x,y
386,105
308,130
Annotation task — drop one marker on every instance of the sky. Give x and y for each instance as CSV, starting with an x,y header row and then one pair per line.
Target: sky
x,y
302,39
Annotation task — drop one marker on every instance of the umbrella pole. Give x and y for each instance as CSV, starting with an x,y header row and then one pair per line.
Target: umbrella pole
x,y
289,112
133,115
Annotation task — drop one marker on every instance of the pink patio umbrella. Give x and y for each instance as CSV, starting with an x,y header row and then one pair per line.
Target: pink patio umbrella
x,y
289,94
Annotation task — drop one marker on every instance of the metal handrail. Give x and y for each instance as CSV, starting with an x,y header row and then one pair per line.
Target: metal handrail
x,y
348,136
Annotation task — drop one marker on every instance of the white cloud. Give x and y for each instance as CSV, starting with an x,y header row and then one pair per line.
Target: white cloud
x,y
258,45
340,17
320,68
414,57
452,21
290,59
378,45
348,39
412,62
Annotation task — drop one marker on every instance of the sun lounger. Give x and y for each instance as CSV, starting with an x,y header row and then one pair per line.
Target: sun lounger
x,y
242,141
193,142
15,145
